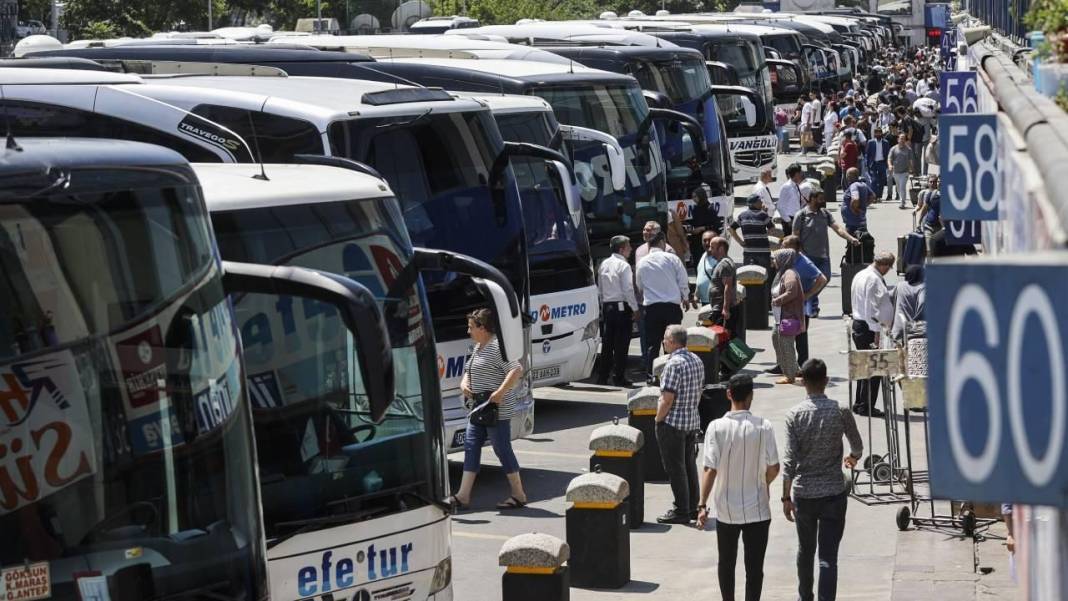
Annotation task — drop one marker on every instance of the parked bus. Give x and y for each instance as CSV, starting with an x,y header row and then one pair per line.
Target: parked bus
x,y
129,470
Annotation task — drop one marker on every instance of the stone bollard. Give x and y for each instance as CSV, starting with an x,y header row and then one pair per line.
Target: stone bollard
x,y
617,449
757,295
704,343
641,405
597,530
535,568
659,363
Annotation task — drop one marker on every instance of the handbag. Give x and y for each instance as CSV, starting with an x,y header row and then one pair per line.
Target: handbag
x,y
790,326
485,413
807,141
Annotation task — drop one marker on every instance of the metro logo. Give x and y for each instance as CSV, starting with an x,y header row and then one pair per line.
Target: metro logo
x,y
544,311
547,313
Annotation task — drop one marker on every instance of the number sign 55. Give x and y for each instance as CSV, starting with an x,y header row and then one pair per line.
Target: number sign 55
x,y
998,390
968,153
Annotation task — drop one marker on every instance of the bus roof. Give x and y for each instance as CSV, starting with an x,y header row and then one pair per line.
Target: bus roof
x,y
515,76
566,31
760,30
508,103
230,187
415,45
211,54
18,77
317,99
630,52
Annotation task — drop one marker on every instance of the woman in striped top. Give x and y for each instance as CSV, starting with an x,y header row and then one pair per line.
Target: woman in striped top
x,y
488,372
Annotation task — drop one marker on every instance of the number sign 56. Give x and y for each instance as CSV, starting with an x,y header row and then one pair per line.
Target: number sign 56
x,y
968,153
960,92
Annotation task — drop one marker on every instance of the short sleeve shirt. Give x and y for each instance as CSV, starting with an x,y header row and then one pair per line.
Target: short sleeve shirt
x,y
740,446
862,192
755,226
811,226
724,269
486,371
684,375
807,272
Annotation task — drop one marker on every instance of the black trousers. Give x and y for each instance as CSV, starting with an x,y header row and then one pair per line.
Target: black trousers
x,y
867,390
658,316
755,538
801,344
787,227
820,524
615,340
678,453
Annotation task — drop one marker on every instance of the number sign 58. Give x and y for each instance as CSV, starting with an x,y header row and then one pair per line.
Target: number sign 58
x,y
968,153
998,390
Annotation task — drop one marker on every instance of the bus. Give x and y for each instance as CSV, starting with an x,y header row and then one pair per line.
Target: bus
x,y
353,507
406,134
390,46
128,466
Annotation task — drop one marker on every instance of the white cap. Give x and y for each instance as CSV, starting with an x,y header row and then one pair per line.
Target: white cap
x,y
36,43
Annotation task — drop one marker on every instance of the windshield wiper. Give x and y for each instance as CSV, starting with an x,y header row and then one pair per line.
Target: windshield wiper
x,y
318,523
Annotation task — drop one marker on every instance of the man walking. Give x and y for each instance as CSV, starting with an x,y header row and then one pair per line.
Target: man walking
x,y
790,197
873,311
615,282
900,162
814,490
677,422
875,156
811,225
665,290
741,460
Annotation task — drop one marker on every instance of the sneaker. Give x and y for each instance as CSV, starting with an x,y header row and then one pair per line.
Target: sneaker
x,y
865,412
671,517
775,371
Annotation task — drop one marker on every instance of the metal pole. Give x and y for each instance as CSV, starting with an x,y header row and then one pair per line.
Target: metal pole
x,y
318,16
55,19
209,15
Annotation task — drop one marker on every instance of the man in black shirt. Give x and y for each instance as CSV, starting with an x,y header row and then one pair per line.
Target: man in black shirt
x,y
704,218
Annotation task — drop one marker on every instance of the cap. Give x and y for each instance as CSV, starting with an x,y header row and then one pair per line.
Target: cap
x,y
754,199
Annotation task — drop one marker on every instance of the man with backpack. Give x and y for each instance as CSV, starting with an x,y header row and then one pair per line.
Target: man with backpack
x,y
858,195
811,225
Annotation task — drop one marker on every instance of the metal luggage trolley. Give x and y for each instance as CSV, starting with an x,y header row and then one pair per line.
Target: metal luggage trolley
x,y
880,479
913,385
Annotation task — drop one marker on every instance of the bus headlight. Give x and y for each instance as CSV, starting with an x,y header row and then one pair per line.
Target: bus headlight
x,y
593,329
442,575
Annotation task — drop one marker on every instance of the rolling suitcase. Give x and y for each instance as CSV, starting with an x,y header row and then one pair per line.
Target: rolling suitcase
x,y
849,271
863,254
914,251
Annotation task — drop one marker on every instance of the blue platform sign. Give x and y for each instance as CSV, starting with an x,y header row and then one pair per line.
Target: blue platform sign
x,y
963,233
998,389
960,92
968,155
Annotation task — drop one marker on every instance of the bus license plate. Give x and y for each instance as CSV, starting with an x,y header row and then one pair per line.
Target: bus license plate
x,y
546,372
459,438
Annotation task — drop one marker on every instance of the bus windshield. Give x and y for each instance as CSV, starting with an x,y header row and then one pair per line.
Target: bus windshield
x,y
319,453
614,109
681,80
121,393
787,45
439,165
558,250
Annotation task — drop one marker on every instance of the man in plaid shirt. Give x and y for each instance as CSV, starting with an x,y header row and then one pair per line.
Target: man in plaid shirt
x,y
677,423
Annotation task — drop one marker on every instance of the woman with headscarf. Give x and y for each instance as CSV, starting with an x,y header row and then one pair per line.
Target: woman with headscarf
x,y
788,307
909,303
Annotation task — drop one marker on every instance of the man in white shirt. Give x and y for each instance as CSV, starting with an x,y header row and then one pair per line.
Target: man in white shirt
x,y
763,190
808,120
873,312
740,462
665,289
615,284
790,200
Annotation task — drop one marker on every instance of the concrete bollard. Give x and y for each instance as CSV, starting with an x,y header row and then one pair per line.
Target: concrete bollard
x,y
535,569
617,449
704,343
597,530
757,295
641,406
659,363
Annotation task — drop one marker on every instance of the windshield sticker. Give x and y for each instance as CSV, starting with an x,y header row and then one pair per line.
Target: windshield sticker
x,y
46,438
26,583
206,131
93,586
144,369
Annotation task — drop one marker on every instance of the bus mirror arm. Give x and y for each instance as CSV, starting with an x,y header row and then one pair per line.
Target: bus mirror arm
x,y
355,304
690,124
613,151
491,284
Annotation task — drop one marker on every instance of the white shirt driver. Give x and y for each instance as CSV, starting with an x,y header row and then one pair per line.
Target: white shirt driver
x,y
740,446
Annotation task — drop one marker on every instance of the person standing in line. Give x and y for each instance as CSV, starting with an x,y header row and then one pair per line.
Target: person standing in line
x,y
722,296
875,156
788,306
930,210
615,283
755,226
812,283
900,162
811,225
763,190
808,125
650,229
706,266
848,154
741,460
488,377
677,423
790,197
814,490
873,311
705,218
830,125
665,289
858,195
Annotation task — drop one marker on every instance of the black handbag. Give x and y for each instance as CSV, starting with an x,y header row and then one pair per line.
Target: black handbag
x,y
486,412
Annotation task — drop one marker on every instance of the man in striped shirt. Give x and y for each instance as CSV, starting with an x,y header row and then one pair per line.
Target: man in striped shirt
x,y
741,460
677,423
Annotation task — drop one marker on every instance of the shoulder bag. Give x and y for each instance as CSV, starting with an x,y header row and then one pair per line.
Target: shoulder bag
x,y
485,412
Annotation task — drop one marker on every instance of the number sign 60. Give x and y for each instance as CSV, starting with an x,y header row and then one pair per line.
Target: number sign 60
x,y
975,366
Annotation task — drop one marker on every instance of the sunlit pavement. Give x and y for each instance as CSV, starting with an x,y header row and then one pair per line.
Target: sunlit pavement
x,y
876,562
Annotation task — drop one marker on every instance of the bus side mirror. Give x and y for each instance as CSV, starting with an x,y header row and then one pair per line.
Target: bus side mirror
x,y
355,304
612,150
509,325
571,193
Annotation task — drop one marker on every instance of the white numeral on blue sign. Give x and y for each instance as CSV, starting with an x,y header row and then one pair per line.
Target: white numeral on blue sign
x,y
971,180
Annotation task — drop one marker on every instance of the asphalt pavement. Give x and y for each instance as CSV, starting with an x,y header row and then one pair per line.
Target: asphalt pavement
x,y
876,561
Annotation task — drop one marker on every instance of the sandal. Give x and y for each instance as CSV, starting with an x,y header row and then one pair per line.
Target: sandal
x,y
458,505
785,381
511,503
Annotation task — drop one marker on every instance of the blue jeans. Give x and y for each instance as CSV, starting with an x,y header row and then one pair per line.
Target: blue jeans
x,y
824,265
500,437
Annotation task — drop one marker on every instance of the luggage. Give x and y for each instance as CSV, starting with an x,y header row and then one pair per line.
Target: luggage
x,y
863,254
849,271
901,241
736,356
914,251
